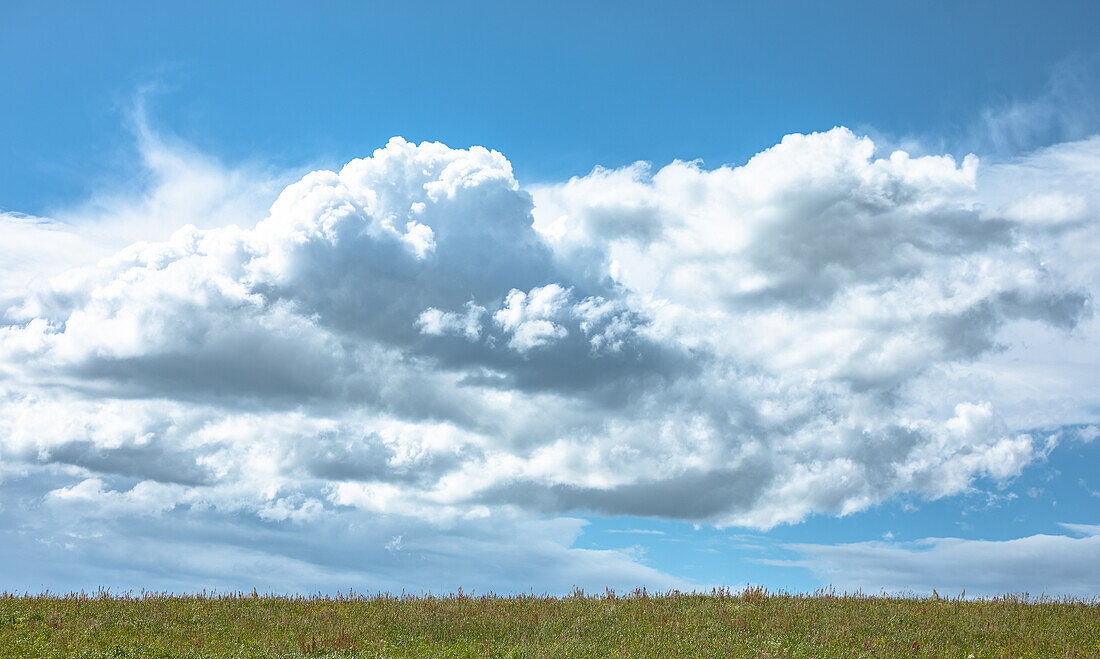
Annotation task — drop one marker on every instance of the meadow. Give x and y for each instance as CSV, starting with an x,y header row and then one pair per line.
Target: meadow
x,y
748,623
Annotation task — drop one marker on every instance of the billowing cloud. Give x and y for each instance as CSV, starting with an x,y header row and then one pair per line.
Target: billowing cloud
x,y
416,341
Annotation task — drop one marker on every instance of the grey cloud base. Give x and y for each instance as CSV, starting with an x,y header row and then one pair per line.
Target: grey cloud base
x,y
416,342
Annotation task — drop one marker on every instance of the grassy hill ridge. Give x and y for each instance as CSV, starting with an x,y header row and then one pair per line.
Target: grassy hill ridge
x,y
749,623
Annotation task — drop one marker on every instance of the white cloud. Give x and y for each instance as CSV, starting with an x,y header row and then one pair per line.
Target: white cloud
x,y
1039,564
34,248
1063,112
180,186
90,536
527,316
145,498
415,337
637,531
438,323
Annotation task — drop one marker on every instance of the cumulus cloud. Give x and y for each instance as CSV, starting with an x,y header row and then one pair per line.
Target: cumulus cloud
x,y
417,337
438,323
527,317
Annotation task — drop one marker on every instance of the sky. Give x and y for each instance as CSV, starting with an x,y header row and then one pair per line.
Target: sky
x,y
524,297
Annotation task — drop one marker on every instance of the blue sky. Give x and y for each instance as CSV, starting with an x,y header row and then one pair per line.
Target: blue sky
x,y
557,87
790,361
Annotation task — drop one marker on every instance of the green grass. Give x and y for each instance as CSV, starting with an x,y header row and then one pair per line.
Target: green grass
x,y
751,623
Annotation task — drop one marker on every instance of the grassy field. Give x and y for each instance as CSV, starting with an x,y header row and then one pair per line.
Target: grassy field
x,y
751,623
